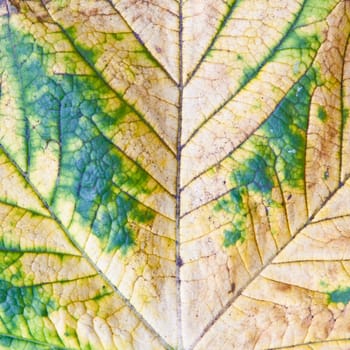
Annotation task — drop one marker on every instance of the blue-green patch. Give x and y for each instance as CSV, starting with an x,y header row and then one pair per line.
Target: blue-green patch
x,y
256,174
321,114
341,295
16,301
69,111
278,158
23,344
234,205
248,74
232,237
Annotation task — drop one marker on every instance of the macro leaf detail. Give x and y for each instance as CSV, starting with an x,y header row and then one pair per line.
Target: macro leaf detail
x,y
174,174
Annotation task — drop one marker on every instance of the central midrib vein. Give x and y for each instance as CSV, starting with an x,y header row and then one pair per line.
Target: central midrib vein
x,y
178,188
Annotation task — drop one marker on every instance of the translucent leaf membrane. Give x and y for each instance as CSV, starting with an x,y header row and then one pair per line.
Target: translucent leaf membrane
x,y
174,174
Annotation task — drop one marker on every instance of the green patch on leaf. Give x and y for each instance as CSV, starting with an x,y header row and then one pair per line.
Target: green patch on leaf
x,y
323,284
71,112
99,172
248,74
24,307
279,153
20,300
341,295
302,41
112,222
326,174
321,114
7,342
88,54
234,204
256,174
286,131
232,237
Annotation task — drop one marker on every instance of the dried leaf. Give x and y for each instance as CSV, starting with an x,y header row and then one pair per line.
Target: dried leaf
x,y
174,174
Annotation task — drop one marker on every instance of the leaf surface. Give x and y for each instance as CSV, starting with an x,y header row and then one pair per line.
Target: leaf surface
x,y
174,174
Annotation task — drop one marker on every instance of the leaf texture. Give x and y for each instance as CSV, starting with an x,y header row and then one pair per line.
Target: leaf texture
x,y
174,174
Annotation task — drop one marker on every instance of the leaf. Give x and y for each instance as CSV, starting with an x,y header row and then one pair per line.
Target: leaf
x,y
174,174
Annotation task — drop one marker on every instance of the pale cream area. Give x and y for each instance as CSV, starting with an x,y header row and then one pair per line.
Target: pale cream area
x,y
323,168
51,268
104,323
156,23
44,169
227,271
201,20
324,240
11,116
23,230
336,205
14,189
145,275
287,302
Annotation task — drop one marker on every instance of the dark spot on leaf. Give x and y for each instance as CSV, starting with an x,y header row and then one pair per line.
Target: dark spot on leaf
x,y
326,174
